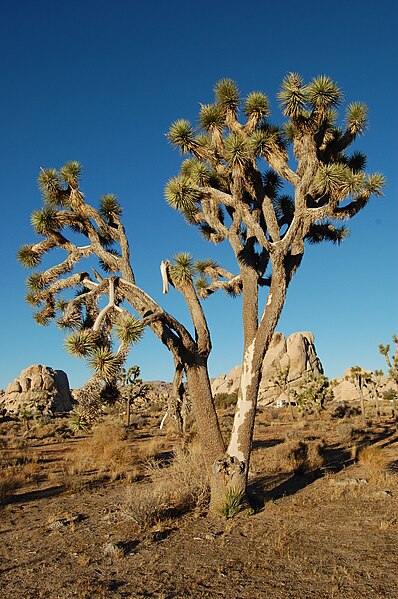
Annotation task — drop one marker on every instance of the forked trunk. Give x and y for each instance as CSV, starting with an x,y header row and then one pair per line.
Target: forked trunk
x,y
238,454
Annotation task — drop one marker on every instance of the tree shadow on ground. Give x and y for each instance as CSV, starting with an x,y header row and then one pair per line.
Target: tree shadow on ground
x,y
336,458
268,443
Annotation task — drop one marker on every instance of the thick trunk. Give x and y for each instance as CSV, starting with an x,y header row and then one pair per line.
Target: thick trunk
x,y
205,414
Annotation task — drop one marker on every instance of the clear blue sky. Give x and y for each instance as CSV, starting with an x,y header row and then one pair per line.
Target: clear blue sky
x,y
100,82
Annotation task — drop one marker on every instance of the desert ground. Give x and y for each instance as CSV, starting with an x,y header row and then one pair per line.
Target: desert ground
x,y
117,512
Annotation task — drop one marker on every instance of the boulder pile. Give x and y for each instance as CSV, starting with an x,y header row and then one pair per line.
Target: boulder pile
x,y
38,389
295,356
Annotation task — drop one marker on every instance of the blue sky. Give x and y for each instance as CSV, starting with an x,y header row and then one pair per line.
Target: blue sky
x,y
101,82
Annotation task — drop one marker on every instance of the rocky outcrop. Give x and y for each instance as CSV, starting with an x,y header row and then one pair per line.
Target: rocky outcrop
x,y
38,389
296,356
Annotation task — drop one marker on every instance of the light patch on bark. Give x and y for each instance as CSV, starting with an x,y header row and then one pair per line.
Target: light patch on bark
x,y
243,406
269,300
165,281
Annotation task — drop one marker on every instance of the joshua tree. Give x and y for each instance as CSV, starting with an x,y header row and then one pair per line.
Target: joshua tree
x,y
223,191
372,381
358,377
314,393
392,364
130,387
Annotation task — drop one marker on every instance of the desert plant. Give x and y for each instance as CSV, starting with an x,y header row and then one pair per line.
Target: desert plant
x,y
392,363
225,400
314,393
130,387
232,503
357,376
375,461
224,190
300,456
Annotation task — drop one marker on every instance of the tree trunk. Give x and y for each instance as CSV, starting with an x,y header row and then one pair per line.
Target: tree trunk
x,y
128,412
361,397
240,445
211,440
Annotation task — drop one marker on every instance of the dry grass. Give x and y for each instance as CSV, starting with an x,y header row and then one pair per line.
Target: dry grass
x,y
177,488
295,455
10,480
375,461
107,451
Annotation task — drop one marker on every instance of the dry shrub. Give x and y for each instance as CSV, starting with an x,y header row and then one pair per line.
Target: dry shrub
x,y
375,461
177,488
152,449
143,506
107,451
299,456
10,480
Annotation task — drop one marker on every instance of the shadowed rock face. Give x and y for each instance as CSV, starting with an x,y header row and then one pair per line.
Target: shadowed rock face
x,y
38,389
296,354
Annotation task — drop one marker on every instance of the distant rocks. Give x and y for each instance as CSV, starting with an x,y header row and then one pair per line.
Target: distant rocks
x,y
295,355
38,389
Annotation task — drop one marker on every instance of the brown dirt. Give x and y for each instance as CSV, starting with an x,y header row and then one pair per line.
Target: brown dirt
x,y
328,532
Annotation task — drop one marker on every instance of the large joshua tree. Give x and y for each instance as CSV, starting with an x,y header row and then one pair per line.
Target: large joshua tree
x,y
233,187
223,190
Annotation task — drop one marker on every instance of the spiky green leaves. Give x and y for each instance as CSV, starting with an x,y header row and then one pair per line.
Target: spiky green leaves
x,y
81,343
263,141
292,96
227,95
109,206
356,117
105,363
211,117
36,282
28,257
375,183
181,195
323,93
256,105
70,173
49,184
338,181
236,150
181,135
197,171
182,271
327,232
46,221
129,329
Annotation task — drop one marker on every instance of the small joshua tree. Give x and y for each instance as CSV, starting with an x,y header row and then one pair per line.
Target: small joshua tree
x,y
130,387
392,363
357,376
314,393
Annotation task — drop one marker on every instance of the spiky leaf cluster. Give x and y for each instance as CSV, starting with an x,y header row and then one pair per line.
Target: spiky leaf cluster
x,y
183,269
109,207
28,256
129,329
105,363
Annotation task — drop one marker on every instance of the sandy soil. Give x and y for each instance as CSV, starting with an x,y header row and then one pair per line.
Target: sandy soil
x,y
328,532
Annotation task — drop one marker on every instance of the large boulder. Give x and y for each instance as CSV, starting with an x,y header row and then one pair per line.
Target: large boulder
x,y
295,355
38,389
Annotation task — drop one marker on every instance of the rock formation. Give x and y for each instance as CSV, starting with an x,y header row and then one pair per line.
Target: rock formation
x,y
38,389
296,355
